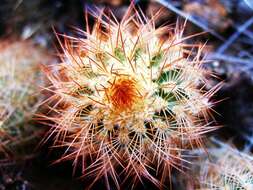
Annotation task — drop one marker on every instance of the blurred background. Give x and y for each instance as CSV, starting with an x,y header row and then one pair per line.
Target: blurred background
x,y
229,35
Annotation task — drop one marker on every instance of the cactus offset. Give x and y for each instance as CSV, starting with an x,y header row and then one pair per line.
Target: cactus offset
x,y
131,96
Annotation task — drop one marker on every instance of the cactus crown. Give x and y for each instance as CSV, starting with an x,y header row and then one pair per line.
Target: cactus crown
x,y
132,95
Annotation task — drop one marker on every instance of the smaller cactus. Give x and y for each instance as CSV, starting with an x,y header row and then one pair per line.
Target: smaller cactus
x,y
20,78
229,170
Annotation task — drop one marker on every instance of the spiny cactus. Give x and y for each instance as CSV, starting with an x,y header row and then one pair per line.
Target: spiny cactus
x,y
20,78
131,97
230,170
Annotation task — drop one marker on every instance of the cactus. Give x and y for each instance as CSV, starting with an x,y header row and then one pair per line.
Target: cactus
x,y
20,78
229,170
129,98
